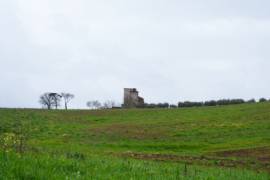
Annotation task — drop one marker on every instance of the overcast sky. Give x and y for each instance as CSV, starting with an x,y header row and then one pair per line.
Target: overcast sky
x,y
170,50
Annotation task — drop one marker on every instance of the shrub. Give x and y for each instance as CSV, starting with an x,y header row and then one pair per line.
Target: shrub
x,y
262,100
251,101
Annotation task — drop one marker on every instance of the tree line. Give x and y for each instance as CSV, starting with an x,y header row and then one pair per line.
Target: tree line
x,y
53,100
220,102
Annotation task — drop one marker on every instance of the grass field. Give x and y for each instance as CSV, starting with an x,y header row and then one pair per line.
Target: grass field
x,y
226,142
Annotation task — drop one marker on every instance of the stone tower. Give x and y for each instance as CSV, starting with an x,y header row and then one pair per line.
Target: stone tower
x,y
132,98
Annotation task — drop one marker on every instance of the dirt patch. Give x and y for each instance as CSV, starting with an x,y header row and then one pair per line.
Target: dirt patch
x,y
262,154
201,160
130,131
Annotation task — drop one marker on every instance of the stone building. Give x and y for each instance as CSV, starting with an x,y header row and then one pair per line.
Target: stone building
x,y
132,98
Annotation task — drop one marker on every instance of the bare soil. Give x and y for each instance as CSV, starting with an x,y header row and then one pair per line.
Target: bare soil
x,y
256,159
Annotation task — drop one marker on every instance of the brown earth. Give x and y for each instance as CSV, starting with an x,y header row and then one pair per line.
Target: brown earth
x,y
261,155
256,159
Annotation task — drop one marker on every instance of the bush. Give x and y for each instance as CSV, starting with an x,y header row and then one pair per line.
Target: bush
x,y
190,104
251,101
173,106
159,105
262,100
210,103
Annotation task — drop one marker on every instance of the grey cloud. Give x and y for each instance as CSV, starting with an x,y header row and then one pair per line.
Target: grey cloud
x,y
170,50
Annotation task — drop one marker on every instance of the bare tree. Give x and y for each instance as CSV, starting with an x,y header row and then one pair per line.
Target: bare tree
x,y
67,97
93,104
56,99
46,100
90,104
97,104
108,104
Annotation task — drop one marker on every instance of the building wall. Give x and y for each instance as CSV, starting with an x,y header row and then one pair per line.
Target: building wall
x,y
131,98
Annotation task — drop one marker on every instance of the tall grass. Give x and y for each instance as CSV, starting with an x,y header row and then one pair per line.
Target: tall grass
x,y
31,166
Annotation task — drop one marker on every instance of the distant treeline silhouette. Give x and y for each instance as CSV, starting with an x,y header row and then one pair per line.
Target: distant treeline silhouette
x,y
51,100
185,104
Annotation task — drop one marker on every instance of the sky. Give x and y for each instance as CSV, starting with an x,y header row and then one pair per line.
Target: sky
x,y
170,50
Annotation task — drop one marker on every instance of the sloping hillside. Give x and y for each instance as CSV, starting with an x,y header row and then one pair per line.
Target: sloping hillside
x,y
235,136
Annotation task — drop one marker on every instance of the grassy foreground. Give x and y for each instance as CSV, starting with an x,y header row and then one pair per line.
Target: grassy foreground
x,y
227,142
45,167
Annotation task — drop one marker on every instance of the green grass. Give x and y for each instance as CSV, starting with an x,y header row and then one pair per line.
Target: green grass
x,y
46,167
111,140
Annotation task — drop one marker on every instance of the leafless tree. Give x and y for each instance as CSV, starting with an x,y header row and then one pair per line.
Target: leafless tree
x,y
97,104
67,97
56,99
108,104
89,104
46,100
50,100
93,104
